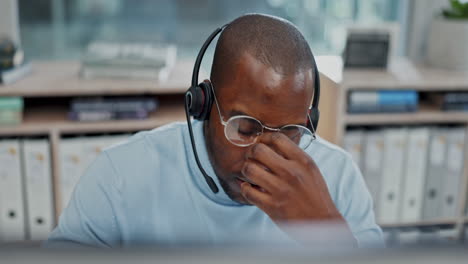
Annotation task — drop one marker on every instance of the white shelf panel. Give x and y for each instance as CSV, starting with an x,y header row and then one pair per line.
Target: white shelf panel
x,y
401,74
56,79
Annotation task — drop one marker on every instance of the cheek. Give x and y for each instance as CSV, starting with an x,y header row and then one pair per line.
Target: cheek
x,y
229,158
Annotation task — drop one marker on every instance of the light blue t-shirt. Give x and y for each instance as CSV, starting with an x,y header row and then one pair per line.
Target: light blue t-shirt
x,y
149,191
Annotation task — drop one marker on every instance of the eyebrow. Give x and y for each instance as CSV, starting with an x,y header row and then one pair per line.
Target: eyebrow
x,y
238,112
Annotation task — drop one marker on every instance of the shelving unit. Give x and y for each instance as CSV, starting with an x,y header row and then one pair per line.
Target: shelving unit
x,y
60,79
45,121
401,75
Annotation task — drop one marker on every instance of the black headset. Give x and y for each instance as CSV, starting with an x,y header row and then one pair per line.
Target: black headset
x,y
199,101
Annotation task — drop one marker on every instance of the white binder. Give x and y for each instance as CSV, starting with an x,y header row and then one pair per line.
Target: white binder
x,y
415,174
435,171
353,144
454,168
38,181
372,164
72,166
393,164
12,214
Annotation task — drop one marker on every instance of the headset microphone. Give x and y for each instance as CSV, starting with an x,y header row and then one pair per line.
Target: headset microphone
x,y
198,101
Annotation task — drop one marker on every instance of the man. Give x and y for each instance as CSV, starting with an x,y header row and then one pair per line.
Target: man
x,y
149,190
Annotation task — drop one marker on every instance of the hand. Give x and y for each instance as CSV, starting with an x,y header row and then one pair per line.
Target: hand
x,y
289,185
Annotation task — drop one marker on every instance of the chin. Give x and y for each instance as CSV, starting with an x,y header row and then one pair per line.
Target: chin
x,y
232,189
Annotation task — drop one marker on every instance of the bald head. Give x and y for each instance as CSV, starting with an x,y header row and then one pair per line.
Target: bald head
x,y
273,41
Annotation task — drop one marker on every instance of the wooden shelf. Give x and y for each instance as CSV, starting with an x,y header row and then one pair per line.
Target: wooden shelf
x,y
57,79
420,117
43,121
421,224
403,74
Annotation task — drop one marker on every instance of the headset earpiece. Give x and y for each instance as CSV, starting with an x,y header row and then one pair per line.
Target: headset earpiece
x,y
200,100
207,90
194,98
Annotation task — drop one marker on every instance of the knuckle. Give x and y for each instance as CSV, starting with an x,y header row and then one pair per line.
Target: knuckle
x,y
247,169
294,174
310,163
279,206
276,136
246,192
284,193
305,160
258,149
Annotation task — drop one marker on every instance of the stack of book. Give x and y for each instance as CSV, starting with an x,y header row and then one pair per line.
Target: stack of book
x,y
382,101
11,110
455,101
142,61
12,65
104,109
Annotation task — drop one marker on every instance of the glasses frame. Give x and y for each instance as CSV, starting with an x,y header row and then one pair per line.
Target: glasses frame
x,y
224,123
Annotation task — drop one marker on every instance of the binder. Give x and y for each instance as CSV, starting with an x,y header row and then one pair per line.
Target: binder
x,y
72,166
435,170
373,157
38,183
393,162
454,167
12,215
415,174
353,145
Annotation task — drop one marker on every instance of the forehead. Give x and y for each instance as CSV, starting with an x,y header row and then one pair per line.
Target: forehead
x,y
264,93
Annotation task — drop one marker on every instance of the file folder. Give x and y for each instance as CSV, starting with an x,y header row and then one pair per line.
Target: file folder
x,y
453,178
373,157
415,174
436,169
393,165
353,145
38,181
12,213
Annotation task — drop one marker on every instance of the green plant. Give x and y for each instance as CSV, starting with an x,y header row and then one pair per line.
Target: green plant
x,y
458,10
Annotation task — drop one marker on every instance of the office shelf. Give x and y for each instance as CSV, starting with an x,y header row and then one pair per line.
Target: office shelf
x,y
420,117
56,79
45,120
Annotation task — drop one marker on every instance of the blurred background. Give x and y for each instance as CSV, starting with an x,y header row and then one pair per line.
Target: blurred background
x,y
63,29
77,76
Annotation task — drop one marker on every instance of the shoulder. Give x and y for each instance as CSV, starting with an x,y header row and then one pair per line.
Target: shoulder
x,y
166,137
146,152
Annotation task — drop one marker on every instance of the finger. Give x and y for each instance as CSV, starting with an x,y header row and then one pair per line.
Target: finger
x,y
256,174
267,157
256,197
283,145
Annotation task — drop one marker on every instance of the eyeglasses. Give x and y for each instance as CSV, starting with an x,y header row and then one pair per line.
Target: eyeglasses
x,y
243,131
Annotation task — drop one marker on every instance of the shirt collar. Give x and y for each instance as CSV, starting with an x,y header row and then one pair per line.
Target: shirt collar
x,y
198,133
